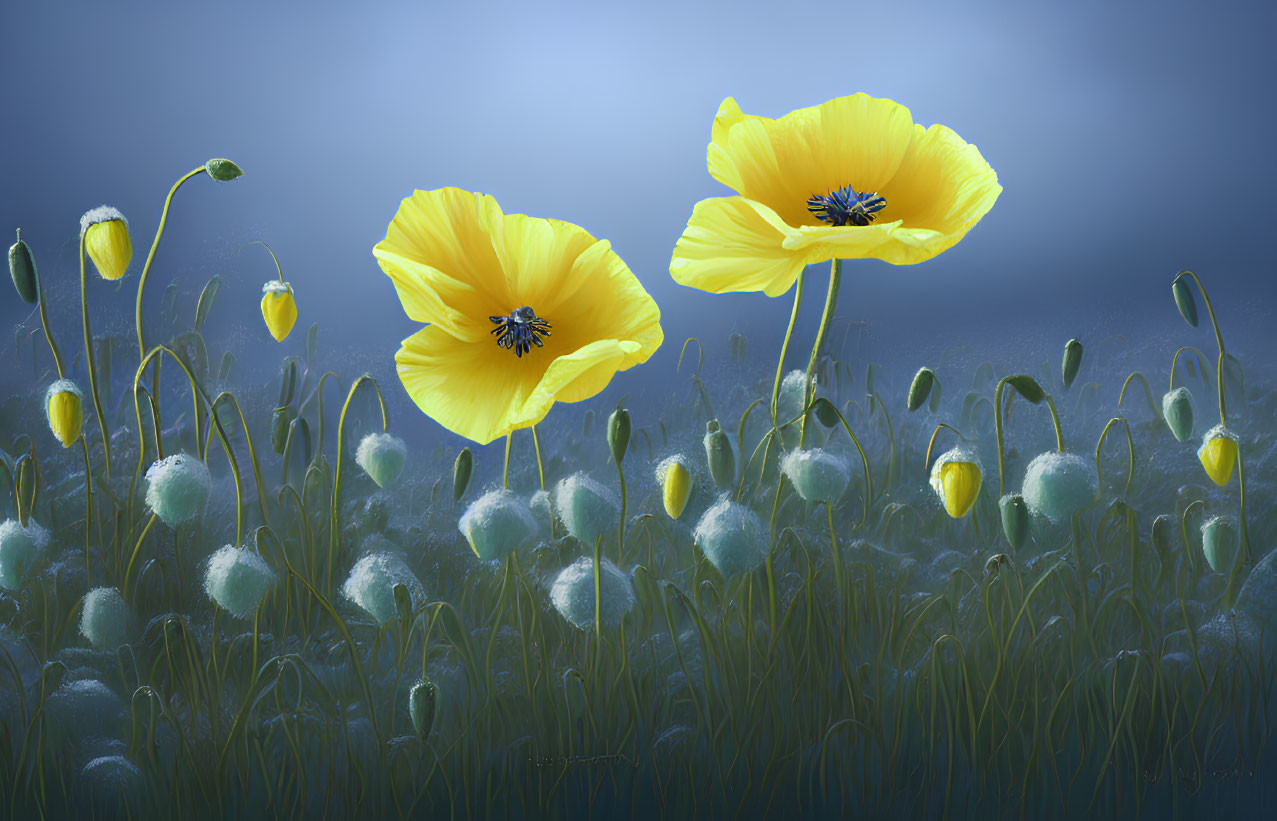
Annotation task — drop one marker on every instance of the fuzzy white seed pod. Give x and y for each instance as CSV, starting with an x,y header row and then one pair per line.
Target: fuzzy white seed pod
x,y
177,488
818,475
587,508
573,593
496,524
20,549
382,456
238,579
105,618
1057,485
371,585
732,537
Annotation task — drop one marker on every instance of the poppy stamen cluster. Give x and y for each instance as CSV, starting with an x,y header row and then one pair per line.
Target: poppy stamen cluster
x,y
846,206
520,330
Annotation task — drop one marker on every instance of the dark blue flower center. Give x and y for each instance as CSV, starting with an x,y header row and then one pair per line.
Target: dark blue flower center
x,y
520,330
846,206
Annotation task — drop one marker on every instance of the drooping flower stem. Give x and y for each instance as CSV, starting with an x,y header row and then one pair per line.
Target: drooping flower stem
x,y
784,347
150,256
334,530
1055,421
831,300
91,365
536,444
1130,451
1148,391
44,321
252,453
88,514
495,624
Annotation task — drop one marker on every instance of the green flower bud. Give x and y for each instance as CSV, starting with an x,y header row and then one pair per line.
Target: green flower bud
x,y
22,269
1163,528
222,170
825,412
1220,542
177,488
421,707
718,453
1015,519
1072,361
461,470
618,433
1184,300
1177,409
403,603
920,388
1027,387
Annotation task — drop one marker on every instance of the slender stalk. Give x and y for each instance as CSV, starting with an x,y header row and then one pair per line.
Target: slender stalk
x,y
1130,449
89,361
334,531
784,347
150,257
536,443
505,470
1055,420
44,321
831,300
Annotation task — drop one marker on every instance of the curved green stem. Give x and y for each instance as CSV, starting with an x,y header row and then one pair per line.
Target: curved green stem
x,y
831,301
44,321
334,533
1055,420
252,453
89,360
1148,391
1130,449
1219,340
150,257
784,347
505,470
931,444
536,444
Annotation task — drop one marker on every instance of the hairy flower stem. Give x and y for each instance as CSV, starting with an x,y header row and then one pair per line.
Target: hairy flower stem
x,y
831,300
90,364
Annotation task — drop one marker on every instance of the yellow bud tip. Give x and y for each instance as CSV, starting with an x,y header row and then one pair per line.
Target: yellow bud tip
x,y
677,488
108,245
65,416
960,482
279,309
1218,455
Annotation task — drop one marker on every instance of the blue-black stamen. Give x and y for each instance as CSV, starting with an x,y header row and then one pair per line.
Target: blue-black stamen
x,y
846,206
520,330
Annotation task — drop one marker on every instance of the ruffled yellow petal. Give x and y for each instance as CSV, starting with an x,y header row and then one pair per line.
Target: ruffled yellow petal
x,y
858,141
736,244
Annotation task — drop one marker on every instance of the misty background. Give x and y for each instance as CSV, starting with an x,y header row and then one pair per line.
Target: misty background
x,y
1132,140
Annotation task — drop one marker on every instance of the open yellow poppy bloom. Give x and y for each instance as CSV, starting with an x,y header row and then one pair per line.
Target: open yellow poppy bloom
x,y
851,178
523,312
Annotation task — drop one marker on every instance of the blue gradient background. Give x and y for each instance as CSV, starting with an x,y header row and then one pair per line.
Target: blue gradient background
x,y
1131,139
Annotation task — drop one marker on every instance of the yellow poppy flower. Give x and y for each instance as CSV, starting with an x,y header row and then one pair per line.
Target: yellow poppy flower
x,y
523,312
851,178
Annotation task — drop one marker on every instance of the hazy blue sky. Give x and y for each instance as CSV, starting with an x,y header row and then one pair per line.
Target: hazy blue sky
x,y
1132,140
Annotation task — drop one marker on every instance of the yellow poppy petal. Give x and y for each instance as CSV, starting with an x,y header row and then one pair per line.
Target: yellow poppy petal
x,y
732,244
438,253
856,141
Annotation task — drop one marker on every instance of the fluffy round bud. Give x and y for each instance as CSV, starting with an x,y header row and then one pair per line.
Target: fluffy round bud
x,y
586,507
496,524
818,475
238,579
382,457
732,537
573,593
20,548
104,618
1057,485
371,585
177,488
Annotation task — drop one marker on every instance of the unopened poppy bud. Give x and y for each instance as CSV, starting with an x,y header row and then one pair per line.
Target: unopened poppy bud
x,y
956,479
818,475
64,405
279,308
1218,454
1163,526
1219,543
573,593
421,707
22,270
676,485
177,488
1057,485
718,453
106,239
618,433
1072,361
1015,519
920,388
1027,387
461,470
497,524
222,170
1184,300
825,412
382,456
1177,409
587,508
732,537
237,579
280,421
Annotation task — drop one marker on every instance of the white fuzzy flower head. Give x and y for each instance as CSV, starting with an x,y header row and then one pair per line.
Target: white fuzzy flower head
x,y
178,488
573,593
237,579
818,475
496,524
103,213
382,456
1057,485
587,508
104,618
371,585
732,537
20,549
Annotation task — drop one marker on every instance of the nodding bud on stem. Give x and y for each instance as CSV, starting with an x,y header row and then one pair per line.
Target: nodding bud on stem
x,y
718,453
1184,300
461,470
1218,454
1015,519
421,707
23,271
63,403
920,388
105,233
1072,361
676,485
1220,542
1177,410
222,170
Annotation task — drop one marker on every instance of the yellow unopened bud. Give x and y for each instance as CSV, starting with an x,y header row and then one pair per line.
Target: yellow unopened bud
x,y
676,482
106,239
64,406
279,308
1218,454
955,477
